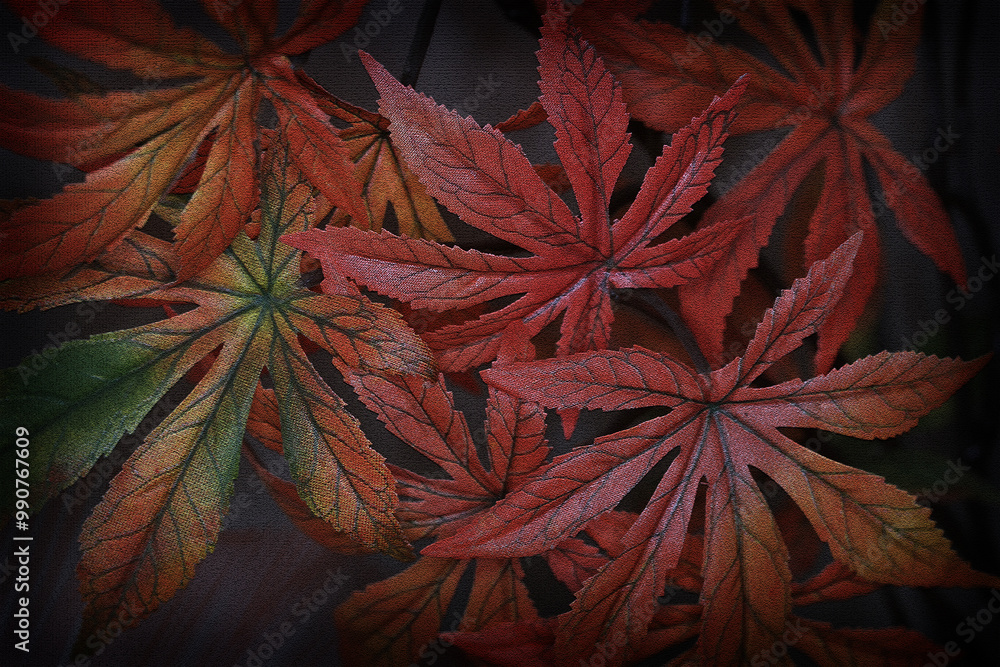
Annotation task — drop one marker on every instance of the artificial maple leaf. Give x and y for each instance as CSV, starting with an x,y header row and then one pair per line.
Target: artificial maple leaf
x,y
825,97
488,182
264,425
381,170
532,643
522,644
524,119
721,427
390,621
140,264
143,138
825,644
162,513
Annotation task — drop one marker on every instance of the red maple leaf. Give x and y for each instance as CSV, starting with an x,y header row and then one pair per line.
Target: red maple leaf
x,y
392,620
721,427
575,261
825,98
139,142
532,643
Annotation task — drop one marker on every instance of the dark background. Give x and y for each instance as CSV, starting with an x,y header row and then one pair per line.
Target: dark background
x,y
262,566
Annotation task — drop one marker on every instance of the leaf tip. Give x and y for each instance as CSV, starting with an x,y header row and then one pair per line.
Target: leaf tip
x,y
379,74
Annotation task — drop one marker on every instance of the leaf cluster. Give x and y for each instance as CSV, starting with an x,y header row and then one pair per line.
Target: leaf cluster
x,y
697,532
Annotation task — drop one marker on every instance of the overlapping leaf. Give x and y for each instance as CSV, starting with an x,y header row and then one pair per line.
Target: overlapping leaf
x,y
824,91
264,426
142,139
162,513
140,265
533,643
389,622
574,261
380,169
720,428
825,644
